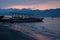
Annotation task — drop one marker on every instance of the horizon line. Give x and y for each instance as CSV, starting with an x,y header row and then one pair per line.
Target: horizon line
x,y
30,8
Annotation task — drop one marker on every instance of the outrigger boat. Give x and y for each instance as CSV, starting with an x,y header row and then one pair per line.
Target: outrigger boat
x,y
20,18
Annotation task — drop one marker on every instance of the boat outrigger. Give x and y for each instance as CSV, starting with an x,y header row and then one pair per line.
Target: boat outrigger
x,y
20,18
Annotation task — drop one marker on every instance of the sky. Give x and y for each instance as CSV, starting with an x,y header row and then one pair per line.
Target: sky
x,y
33,4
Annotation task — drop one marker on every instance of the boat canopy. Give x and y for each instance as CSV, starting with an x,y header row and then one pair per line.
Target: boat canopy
x,y
14,14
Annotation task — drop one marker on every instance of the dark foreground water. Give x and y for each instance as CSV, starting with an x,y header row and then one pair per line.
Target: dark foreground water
x,y
49,29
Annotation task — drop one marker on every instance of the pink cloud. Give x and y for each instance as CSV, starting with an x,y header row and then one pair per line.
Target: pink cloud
x,y
38,6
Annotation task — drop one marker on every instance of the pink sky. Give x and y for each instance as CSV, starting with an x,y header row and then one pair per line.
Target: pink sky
x,y
41,7
33,4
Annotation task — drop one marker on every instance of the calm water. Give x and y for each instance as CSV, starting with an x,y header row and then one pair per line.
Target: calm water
x,y
50,28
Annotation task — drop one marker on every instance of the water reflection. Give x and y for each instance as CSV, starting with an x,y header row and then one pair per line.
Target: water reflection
x,y
50,28
29,32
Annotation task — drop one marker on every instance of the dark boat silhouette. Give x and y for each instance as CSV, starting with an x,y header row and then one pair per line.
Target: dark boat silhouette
x,y
26,20
15,19
1,17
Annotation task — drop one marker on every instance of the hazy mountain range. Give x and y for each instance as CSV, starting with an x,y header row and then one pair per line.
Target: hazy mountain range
x,y
36,13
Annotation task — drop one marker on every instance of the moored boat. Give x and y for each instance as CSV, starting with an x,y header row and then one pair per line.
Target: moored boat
x,y
26,20
19,19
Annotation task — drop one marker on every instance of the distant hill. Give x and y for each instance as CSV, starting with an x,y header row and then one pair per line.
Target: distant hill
x,y
36,13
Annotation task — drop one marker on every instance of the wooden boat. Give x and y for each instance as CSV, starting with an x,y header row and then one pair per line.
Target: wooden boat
x,y
15,19
26,20
3,20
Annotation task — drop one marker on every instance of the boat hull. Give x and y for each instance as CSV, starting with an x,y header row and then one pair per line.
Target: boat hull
x,y
21,21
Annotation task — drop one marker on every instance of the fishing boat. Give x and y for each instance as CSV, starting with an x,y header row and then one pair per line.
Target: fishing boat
x,y
20,18
26,20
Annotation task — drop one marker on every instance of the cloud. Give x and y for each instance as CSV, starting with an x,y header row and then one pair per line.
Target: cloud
x,y
41,7
34,4
4,3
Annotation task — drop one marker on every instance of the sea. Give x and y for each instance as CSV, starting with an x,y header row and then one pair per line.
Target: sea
x,y
49,29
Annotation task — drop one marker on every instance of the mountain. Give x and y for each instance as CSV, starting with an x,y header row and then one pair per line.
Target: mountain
x,y
36,13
